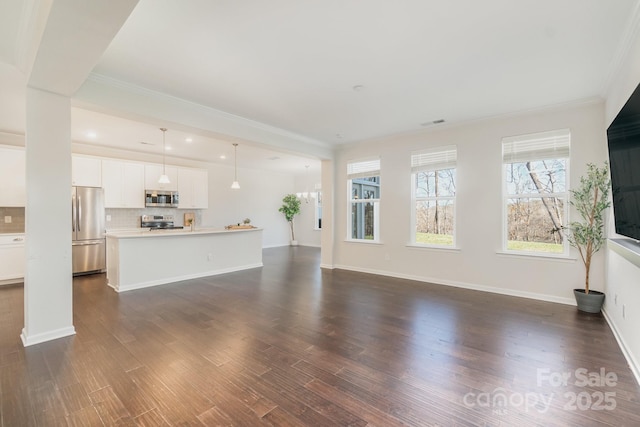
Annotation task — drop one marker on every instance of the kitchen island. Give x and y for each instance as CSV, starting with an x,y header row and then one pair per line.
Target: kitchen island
x,y
139,259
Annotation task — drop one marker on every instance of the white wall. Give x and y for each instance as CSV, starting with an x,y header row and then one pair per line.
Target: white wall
x,y
624,276
259,198
477,263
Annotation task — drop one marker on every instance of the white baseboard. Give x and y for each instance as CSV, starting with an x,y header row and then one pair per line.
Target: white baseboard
x,y
631,360
288,244
464,285
327,266
11,281
46,336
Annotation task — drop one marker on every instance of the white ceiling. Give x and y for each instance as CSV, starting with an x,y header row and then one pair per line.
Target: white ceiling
x,y
293,65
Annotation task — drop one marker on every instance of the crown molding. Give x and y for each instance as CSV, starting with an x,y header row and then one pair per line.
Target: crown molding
x,y
629,38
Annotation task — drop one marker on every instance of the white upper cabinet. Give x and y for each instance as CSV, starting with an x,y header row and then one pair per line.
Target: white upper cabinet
x,y
123,184
193,188
13,177
86,171
153,171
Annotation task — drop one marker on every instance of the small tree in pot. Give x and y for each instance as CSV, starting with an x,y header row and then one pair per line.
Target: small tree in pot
x,y
591,200
290,208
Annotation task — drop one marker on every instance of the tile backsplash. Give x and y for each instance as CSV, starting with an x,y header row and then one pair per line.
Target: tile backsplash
x,y
130,218
16,217
120,218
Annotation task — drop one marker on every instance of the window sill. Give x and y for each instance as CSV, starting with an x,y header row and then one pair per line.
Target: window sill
x,y
439,248
533,255
363,241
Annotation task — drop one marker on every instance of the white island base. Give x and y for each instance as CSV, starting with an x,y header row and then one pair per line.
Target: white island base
x,y
149,258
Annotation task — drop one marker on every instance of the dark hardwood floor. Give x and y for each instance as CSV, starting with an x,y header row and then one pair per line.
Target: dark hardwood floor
x,y
291,345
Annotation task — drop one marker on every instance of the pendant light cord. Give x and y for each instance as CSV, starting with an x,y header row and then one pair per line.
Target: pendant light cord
x,y
235,162
164,151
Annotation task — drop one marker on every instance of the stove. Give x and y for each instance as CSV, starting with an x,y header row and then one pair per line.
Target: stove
x,y
158,222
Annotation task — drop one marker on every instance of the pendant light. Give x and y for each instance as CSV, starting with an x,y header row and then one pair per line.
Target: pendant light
x,y
164,179
235,185
305,194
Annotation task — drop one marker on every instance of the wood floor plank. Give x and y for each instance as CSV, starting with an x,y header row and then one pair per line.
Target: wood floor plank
x,y
109,406
289,344
168,405
86,417
151,419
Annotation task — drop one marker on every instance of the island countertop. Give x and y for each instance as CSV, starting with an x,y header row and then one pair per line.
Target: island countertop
x,y
146,233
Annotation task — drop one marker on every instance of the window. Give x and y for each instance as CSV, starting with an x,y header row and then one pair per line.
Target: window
x,y
536,170
433,178
364,200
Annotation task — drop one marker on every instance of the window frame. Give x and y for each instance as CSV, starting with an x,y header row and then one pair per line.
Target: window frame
x,y
544,153
356,170
433,160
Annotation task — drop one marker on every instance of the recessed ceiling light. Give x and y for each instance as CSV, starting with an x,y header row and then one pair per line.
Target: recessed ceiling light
x,y
274,158
168,149
146,143
188,140
223,156
358,88
92,134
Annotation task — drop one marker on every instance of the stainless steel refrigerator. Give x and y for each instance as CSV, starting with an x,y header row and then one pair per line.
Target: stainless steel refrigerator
x,y
88,229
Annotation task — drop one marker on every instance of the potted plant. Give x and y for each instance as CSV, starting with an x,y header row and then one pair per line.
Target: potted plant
x,y
290,208
591,200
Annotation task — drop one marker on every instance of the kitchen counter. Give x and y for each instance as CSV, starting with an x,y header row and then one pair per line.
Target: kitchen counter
x,y
145,232
141,258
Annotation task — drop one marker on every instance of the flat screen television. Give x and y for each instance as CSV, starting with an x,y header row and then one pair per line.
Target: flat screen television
x,y
624,161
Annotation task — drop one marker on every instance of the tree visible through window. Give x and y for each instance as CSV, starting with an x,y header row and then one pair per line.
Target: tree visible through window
x,y
536,171
434,191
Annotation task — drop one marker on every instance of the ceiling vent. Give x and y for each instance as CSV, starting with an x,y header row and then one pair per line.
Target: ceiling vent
x,y
434,122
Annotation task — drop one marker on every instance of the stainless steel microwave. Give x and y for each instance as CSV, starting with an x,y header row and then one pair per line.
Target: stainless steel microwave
x,y
161,198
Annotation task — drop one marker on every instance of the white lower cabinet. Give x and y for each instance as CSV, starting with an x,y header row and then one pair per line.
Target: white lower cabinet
x,y
12,257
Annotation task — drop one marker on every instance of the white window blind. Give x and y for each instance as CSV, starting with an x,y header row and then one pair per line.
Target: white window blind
x,y
537,146
434,159
363,168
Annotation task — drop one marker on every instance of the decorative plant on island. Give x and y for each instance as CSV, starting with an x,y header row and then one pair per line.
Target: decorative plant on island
x,y
591,200
290,208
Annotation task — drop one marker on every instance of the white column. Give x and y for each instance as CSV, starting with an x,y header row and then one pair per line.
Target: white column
x,y
48,307
327,233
